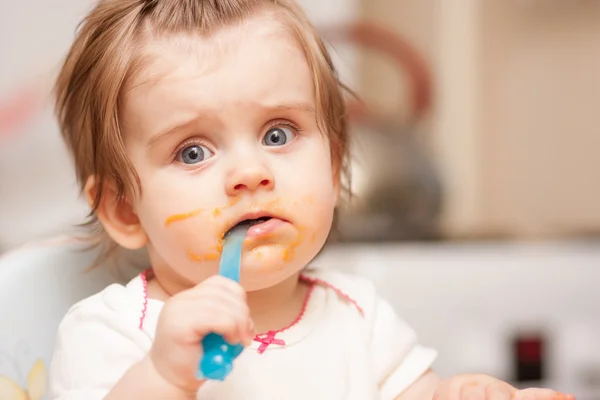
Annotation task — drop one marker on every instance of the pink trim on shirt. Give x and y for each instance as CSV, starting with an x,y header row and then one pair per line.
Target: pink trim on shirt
x,y
339,291
267,339
144,278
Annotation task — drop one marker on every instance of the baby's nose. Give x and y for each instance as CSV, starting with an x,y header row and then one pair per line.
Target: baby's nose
x,y
250,178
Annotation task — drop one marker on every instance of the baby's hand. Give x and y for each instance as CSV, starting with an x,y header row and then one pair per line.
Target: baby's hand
x,y
482,387
215,305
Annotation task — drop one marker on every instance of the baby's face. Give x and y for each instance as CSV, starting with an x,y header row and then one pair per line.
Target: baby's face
x,y
221,130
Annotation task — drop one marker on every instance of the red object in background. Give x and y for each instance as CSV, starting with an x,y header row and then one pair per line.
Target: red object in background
x,y
17,111
530,349
529,357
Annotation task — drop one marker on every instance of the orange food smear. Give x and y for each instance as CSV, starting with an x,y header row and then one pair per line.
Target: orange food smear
x,y
211,257
215,255
265,238
216,212
181,217
193,256
289,252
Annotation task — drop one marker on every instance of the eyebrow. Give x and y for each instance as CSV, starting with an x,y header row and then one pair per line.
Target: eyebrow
x,y
294,106
303,107
160,136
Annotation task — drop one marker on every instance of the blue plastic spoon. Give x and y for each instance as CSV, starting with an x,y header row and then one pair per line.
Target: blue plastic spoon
x,y
217,361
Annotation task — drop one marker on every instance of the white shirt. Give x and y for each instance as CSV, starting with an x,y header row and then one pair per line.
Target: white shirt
x,y
347,344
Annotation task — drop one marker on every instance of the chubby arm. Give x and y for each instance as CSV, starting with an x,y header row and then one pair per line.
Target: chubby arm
x,y
482,387
102,354
98,357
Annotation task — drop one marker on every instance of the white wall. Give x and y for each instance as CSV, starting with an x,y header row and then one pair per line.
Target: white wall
x,y
37,191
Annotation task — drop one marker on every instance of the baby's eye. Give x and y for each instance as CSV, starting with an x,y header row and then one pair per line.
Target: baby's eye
x,y
278,136
194,154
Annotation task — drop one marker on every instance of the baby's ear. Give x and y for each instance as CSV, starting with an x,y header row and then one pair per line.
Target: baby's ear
x,y
116,215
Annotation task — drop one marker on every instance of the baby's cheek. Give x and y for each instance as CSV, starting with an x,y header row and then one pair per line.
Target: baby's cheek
x,y
318,214
312,234
199,252
198,241
182,240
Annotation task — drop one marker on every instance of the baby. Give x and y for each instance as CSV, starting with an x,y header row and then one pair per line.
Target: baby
x,y
185,119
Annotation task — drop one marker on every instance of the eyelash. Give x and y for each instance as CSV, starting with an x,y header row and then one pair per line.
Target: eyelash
x,y
284,123
199,142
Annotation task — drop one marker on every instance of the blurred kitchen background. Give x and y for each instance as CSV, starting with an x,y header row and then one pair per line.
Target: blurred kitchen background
x,y
476,170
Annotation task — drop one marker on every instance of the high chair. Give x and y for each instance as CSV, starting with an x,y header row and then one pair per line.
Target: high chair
x,y
39,282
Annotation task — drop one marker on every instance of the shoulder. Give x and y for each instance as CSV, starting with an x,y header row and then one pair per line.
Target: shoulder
x,y
396,357
117,306
379,317
101,336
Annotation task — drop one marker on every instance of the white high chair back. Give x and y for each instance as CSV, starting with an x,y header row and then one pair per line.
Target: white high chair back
x,y
38,284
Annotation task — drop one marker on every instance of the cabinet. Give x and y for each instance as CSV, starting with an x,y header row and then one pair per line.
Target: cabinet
x,y
515,129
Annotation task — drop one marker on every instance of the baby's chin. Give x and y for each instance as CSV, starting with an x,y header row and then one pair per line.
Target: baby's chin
x,y
267,266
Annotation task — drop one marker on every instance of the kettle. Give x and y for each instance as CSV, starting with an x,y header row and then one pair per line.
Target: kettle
x,y
396,189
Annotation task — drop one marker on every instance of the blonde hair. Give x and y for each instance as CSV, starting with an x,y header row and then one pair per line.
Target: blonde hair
x,y
105,54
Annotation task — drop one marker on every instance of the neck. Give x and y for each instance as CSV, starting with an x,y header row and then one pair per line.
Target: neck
x,y
276,307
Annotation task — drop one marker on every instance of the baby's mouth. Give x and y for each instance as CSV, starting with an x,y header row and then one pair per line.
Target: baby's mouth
x,y
247,223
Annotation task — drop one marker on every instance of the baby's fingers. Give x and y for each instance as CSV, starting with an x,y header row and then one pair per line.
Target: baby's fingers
x,y
474,387
499,391
541,394
233,324
494,390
